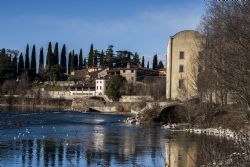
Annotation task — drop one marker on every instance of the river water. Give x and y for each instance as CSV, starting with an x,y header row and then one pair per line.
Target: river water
x,y
80,139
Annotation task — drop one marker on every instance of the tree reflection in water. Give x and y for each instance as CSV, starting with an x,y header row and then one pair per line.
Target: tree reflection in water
x,y
102,140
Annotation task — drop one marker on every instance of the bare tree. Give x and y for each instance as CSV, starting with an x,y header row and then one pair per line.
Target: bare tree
x,y
226,51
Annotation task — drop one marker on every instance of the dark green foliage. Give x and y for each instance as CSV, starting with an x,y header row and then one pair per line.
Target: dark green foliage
x,y
85,63
143,62
27,59
136,59
160,65
91,56
41,60
7,68
20,65
114,86
3,51
50,59
109,56
71,62
121,58
80,60
95,58
56,54
15,62
33,61
148,65
101,59
54,73
76,67
155,62
63,60
9,87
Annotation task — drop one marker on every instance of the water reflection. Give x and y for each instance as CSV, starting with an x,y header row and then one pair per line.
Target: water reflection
x,y
79,140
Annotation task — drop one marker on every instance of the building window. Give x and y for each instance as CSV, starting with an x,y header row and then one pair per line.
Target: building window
x,y
100,87
181,55
124,71
97,81
97,88
132,71
181,83
181,68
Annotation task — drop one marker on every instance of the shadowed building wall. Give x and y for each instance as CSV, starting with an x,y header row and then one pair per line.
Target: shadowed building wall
x,y
182,67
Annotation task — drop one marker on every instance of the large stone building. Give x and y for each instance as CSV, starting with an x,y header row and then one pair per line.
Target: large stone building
x,y
182,68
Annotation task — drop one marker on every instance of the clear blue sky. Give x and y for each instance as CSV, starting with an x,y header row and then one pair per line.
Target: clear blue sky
x,y
137,25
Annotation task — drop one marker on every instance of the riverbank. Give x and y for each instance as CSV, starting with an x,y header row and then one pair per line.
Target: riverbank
x,y
227,122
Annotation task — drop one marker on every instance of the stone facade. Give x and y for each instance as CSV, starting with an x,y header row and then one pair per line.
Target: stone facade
x,y
182,68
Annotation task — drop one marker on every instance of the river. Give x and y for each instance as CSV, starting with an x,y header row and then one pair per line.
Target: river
x,y
60,138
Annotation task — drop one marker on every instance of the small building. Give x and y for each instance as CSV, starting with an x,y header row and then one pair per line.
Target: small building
x,y
97,89
100,87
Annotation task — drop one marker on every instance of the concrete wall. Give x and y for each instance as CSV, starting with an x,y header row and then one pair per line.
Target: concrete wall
x,y
132,99
188,42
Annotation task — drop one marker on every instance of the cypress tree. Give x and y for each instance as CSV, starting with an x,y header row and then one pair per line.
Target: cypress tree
x,y
49,60
41,60
80,60
148,65
71,63
85,63
95,59
142,61
136,59
91,54
160,65
101,59
63,59
56,54
76,67
20,65
15,63
27,59
109,54
33,60
155,62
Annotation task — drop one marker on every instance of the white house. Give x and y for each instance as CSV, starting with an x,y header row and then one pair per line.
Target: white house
x,y
90,90
100,87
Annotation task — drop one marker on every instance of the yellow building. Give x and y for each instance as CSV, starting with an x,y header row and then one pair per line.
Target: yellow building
x,y
183,49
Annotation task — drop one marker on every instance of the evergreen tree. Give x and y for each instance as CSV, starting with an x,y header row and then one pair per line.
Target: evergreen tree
x,y
136,59
3,51
155,62
20,65
41,60
33,60
110,54
91,55
80,60
76,65
85,63
160,65
143,61
71,62
56,54
63,60
7,68
15,63
101,59
95,59
49,60
27,59
148,65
